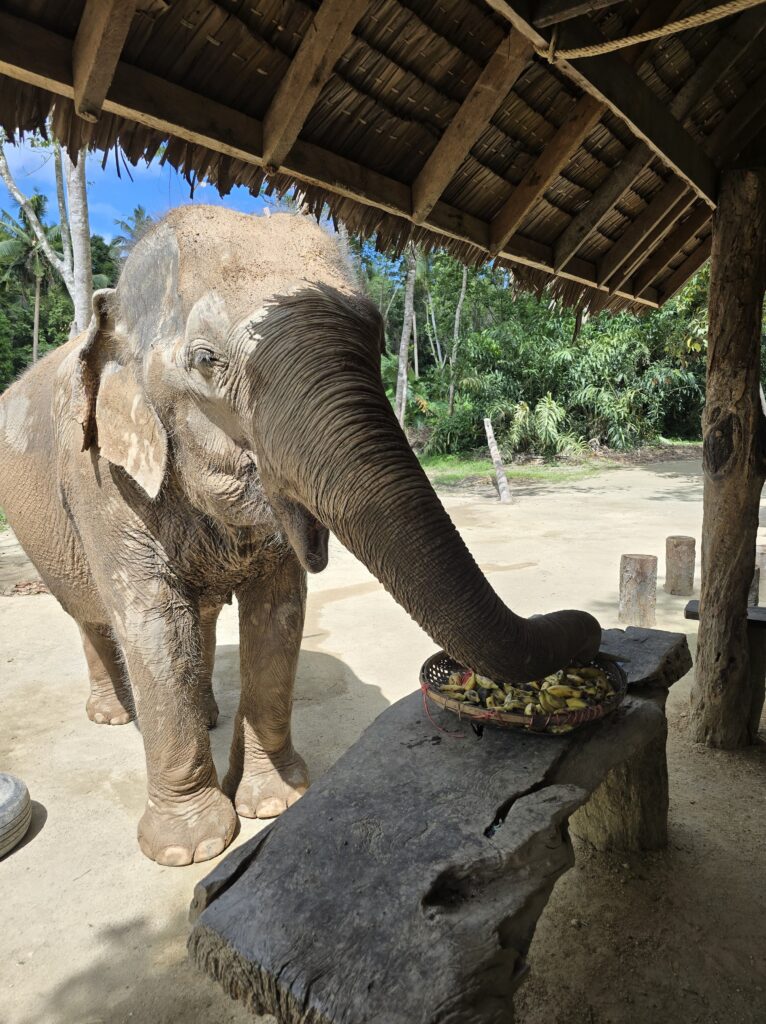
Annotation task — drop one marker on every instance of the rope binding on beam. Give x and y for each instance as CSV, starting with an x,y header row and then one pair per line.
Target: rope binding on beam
x,y
551,54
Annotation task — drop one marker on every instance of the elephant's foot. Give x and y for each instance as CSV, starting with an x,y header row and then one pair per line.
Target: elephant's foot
x,y
269,786
194,828
108,709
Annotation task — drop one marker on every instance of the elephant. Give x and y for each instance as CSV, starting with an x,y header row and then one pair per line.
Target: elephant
x,y
223,412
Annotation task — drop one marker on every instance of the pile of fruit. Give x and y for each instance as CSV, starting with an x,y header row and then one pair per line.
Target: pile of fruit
x,y
571,689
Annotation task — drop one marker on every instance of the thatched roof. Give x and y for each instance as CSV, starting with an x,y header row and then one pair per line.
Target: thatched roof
x,y
413,119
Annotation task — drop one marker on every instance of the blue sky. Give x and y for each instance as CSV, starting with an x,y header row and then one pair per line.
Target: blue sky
x,y
110,197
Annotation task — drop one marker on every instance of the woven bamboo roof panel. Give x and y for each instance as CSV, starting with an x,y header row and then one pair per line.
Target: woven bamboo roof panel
x,y
442,122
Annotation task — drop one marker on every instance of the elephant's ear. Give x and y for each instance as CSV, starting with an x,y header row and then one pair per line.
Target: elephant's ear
x,y
129,430
111,406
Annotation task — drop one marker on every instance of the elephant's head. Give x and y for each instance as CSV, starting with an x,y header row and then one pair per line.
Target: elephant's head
x,y
237,355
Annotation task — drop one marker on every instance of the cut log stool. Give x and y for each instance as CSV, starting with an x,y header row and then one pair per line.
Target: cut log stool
x,y
680,558
638,589
406,885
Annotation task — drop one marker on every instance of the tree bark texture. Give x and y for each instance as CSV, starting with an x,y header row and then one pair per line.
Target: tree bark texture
x,y
753,595
680,558
734,462
404,344
79,227
502,480
638,589
456,342
36,322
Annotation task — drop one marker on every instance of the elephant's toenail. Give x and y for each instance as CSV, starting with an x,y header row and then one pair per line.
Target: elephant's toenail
x,y
209,848
174,857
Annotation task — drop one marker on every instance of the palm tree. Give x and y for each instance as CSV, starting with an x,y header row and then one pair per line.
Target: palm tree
x,y
133,228
22,257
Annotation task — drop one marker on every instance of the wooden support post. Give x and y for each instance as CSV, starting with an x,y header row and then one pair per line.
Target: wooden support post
x,y
680,558
502,479
638,589
101,35
734,462
629,810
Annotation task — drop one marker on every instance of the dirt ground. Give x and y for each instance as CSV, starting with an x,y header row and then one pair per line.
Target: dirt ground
x,y
93,933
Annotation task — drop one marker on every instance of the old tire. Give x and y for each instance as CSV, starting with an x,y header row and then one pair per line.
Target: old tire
x,y
15,812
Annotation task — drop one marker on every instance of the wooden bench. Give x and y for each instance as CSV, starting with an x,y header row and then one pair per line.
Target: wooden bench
x,y
406,885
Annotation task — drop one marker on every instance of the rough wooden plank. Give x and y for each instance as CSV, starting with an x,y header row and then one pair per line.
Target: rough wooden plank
x,y
408,889
612,82
655,228
464,837
602,201
676,241
653,657
552,12
681,275
325,40
651,226
734,462
490,89
556,155
101,35
756,617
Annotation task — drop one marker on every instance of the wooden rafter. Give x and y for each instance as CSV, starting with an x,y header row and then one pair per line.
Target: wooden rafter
x,y
101,35
609,80
667,199
325,40
741,34
41,58
556,155
660,230
551,12
690,266
492,86
674,243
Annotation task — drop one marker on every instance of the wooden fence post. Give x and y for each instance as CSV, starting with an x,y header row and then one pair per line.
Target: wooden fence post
x,y
680,558
638,589
734,462
502,479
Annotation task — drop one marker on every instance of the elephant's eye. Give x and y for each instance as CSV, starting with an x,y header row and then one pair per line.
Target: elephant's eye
x,y
204,358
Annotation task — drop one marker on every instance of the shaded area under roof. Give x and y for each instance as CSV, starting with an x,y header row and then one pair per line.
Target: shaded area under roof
x,y
412,120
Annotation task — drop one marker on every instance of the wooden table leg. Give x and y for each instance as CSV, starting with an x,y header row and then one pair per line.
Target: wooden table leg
x,y
629,810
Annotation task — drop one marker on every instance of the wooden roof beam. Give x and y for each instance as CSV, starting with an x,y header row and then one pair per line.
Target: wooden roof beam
x,y
101,35
681,275
552,12
320,50
639,230
744,31
490,89
41,58
673,244
559,151
659,230
609,80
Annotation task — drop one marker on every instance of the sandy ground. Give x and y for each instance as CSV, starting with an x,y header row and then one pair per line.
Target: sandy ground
x,y
93,933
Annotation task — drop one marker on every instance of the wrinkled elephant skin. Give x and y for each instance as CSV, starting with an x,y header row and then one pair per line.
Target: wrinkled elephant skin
x,y
221,413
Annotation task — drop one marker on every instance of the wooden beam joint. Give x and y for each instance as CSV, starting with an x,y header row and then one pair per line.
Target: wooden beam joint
x,y
101,35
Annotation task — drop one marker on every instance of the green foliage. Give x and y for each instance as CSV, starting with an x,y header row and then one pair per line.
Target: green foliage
x,y
548,384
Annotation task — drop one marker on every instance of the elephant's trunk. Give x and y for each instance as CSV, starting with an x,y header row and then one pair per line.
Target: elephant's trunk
x,y
344,456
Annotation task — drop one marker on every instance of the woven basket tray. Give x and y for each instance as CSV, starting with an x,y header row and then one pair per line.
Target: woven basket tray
x,y
440,666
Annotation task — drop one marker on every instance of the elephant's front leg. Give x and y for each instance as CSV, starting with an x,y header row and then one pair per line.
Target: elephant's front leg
x,y
265,774
187,817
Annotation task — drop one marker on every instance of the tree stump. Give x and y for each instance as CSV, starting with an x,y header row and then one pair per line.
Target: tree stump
x,y
638,589
680,559
734,462
753,595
